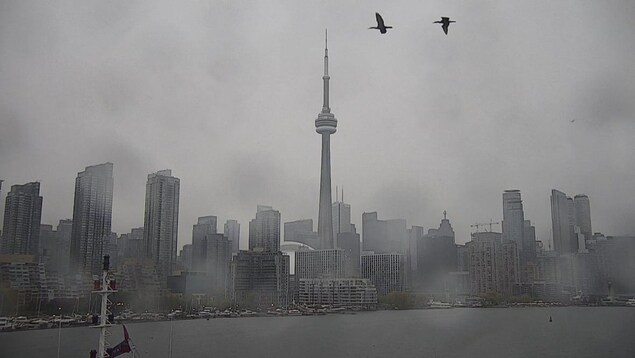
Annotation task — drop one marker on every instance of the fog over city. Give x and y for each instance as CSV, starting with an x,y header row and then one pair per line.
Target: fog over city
x,y
532,95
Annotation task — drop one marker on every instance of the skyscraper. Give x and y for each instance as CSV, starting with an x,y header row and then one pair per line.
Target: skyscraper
x,y
206,225
529,241
161,220
415,238
232,232
92,217
564,241
583,215
22,216
513,217
264,230
325,125
350,244
341,218
436,256
385,271
301,231
260,279
319,263
218,256
384,236
493,263
64,235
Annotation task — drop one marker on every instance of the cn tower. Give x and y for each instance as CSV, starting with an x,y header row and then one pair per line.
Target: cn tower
x,y
325,125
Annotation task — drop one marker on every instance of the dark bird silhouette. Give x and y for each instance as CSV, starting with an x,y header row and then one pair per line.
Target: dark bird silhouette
x,y
380,24
445,23
550,320
573,120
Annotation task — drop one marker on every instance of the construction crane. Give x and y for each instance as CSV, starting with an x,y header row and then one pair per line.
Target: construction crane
x,y
490,223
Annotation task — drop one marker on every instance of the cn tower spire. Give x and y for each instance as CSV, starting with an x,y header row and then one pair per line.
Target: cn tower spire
x,y
326,77
325,125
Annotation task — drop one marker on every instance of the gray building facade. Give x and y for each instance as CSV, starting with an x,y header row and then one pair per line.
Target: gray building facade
x,y
92,218
22,218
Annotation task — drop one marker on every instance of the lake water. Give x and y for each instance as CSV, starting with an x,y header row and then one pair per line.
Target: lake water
x,y
579,332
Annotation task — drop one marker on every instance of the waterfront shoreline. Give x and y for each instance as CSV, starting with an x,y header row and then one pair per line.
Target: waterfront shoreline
x,y
117,322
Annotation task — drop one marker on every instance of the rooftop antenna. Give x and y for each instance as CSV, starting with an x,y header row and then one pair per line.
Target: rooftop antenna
x,y
342,194
445,214
336,193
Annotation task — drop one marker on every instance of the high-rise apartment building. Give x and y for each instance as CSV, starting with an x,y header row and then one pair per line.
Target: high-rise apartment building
x,y
131,244
232,232
383,236
350,245
92,217
562,222
264,230
513,217
415,238
22,216
494,264
185,257
218,256
319,264
385,271
48,247
582,208
205,225
161,220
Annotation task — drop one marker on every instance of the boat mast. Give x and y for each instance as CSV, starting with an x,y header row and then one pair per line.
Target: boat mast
x,y
104,289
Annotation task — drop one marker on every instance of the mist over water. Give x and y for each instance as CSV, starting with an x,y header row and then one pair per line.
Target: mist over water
x,y
494,333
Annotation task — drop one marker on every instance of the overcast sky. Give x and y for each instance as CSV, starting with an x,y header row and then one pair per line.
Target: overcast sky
x,y
225,93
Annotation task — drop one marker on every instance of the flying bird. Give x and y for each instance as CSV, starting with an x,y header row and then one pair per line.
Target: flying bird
x,y
380,24
573,120
445,23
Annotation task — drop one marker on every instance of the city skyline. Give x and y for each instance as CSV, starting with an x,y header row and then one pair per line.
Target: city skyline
x,y
427,145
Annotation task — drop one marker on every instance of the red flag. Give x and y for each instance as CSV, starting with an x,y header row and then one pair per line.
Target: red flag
x,y
121,348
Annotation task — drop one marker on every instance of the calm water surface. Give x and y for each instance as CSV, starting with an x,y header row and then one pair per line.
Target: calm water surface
x,y
513,332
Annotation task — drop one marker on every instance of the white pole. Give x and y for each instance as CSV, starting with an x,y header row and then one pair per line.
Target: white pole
x,y
170,351
101,353
59,334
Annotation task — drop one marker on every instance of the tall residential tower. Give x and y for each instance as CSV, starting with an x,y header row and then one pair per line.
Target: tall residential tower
x,y
161,220
325,125
22,215
583,215
513,217
92,218
562,222
264,230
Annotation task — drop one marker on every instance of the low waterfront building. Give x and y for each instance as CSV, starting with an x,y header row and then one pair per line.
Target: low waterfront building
x,y
25,275
338,292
